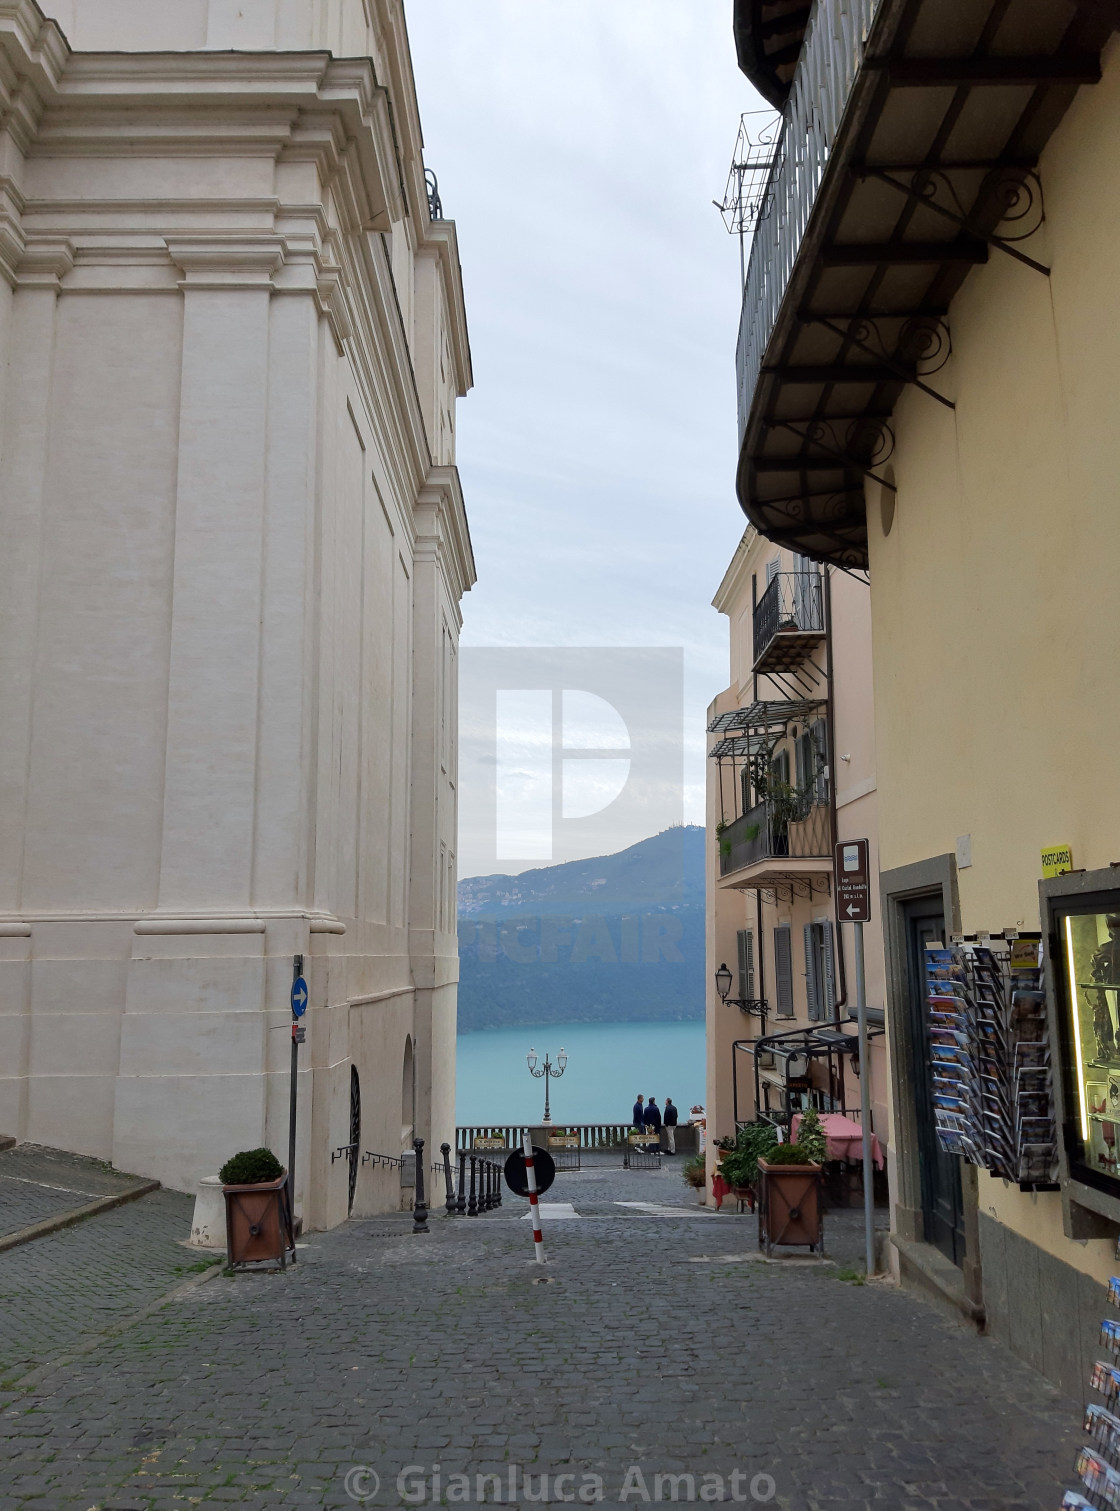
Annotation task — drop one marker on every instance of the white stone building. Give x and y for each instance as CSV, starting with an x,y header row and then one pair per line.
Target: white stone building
x,y
234,548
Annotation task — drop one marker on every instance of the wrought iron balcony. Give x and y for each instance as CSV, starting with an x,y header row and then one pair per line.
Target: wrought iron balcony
x,y
831,54
788,621
873,217
794,835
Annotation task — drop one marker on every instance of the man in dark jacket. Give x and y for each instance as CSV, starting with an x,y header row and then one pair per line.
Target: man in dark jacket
x,y
652,1120
637,1118
670,1122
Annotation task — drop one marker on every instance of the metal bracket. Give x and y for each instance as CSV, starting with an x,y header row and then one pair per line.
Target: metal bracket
x,y
1016,189
922,346
369,1157
874,432
344,1151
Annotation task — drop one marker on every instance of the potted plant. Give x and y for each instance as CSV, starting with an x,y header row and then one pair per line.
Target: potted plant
x,y
258,1209
695,1172
739,1165
789,1205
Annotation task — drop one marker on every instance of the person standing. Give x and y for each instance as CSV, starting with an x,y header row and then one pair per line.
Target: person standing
x,y
670,1122
636,1119
652,1120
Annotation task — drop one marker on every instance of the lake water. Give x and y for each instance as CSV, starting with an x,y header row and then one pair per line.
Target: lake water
x,y
608,1065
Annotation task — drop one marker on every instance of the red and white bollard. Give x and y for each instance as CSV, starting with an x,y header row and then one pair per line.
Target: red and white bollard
x,y
534,1204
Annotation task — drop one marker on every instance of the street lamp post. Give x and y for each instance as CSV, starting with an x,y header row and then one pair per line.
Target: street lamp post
x,y
549,1072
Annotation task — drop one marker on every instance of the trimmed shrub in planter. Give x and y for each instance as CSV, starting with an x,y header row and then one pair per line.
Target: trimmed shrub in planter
x,y
258,1209
252,1167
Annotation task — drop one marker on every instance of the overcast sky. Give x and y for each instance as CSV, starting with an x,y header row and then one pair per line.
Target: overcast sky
x,y
579,145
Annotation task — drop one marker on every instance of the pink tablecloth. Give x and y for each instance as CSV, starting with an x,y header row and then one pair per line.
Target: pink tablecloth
x,y
843,1138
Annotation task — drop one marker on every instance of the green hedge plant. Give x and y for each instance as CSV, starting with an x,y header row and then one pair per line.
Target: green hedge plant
x,y
789,1154
810,1136
740,1165
252,1167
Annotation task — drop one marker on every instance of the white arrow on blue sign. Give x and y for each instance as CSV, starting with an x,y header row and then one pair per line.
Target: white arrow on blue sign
x,y
299,997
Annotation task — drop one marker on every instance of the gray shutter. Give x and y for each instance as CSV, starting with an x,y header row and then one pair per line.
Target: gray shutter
x,y
812,985
783,972
746,964
829,957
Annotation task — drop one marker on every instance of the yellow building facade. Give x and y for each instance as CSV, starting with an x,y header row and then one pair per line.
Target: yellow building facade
x,y
927,390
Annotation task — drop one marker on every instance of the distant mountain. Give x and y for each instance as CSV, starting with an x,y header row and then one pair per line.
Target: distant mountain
x,y
614,939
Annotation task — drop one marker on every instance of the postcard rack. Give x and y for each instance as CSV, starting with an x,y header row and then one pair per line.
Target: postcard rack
x,y
990,1062
1098,1463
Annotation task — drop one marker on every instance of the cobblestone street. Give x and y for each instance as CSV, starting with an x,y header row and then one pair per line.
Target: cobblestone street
x,y
654,1342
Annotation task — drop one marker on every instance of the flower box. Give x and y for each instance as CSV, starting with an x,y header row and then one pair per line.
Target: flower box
x,y
789,1206
259,1225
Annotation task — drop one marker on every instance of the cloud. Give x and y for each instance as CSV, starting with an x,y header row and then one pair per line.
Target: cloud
x,y
579,145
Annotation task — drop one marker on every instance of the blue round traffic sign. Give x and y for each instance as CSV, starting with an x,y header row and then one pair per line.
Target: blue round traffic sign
x,y
299,997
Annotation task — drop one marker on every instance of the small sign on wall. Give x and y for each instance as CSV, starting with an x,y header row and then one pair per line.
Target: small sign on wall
x,y
1056,859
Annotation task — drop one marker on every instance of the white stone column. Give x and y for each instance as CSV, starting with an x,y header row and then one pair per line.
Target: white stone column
x,y
212,714
194,1049
28,350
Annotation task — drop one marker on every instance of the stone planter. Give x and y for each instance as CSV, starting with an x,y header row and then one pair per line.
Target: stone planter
x,y
259,1223
208,1225
789,1206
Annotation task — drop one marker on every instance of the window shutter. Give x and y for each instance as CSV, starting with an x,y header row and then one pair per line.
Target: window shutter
x,y
783,972
829,958
746,964
772,569
812,984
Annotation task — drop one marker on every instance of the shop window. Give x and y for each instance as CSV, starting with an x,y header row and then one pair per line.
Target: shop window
x,y
1088,967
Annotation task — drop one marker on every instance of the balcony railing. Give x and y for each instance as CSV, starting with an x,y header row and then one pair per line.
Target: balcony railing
x,y
830,61
788,620
774,830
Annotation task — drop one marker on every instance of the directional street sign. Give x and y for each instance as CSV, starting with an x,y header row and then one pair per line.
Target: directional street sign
x,y
299,997
853,881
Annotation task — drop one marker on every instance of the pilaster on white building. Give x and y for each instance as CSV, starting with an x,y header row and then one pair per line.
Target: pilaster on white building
x,y
234,547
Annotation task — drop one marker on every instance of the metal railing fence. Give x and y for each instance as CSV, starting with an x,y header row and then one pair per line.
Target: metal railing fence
x,y
793,601
769,830
831,56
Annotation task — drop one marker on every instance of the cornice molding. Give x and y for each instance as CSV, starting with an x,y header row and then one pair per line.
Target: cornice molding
x,y
441,242
735,576
215,262
442,531
44,262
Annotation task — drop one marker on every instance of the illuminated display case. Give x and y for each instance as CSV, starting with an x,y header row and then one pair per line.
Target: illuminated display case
x,y
1084,942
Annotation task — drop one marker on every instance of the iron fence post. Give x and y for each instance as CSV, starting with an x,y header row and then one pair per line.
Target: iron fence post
x,y
461,1204
445,1150
472,1204
419,1205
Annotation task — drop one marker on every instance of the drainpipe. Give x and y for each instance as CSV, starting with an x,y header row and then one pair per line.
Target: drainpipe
x,y
830,728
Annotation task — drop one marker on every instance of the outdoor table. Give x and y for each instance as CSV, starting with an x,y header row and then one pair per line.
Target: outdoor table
x,y
843,1138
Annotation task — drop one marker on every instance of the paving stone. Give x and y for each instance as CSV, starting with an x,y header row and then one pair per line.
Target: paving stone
x,y
385,1350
